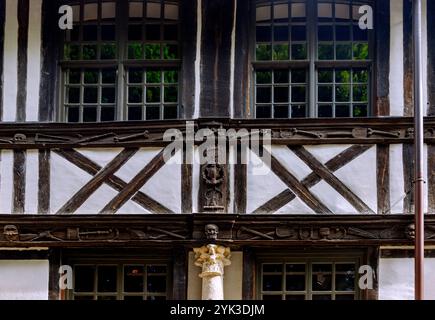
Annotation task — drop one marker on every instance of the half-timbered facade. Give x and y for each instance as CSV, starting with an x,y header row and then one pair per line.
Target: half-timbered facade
x,y
85,181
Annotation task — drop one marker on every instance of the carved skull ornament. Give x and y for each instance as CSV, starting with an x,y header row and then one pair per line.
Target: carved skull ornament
x,y
211,231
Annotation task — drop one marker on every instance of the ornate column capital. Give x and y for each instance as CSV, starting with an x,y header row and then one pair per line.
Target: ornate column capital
x,y
212,259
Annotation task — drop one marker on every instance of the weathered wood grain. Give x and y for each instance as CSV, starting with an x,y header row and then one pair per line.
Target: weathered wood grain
x,y
19,176
383,178
44,181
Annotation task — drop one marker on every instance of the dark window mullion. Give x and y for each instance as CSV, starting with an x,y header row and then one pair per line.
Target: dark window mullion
x,y
162,94
121,27
312,56
162,22
290,92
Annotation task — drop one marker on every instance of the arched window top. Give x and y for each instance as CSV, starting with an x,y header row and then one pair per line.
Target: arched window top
x,y
121,61
312,59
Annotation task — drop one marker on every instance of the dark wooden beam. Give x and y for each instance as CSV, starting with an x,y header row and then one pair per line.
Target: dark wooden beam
x,y
186,185
180,270
44,182
118,184
396,253
408,176
337,162
249,266
152,231
431,56
372,259
2,42
242,62
368,131
382,81
431,177
322,171
19,174
80,197
23,37
188,37
408,55
135,184
54,256
383,178
240,184
217,28
276,203
50,42
24,255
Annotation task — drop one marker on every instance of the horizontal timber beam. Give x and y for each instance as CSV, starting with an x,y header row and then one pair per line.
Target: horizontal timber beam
x,y
142,134
188,230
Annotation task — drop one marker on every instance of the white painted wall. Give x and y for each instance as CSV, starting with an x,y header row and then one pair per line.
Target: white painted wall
x,y
24,279
10,64
359,176
397,186
164,186
6,181
33,60
32,181
396,279
260,188
397,56
396,59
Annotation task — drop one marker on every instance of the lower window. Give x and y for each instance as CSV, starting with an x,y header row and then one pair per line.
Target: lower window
x,y
309,279
132,281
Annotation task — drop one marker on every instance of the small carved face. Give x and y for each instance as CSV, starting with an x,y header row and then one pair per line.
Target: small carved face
x,y
11,233
410,231
213,174
211,231
324,232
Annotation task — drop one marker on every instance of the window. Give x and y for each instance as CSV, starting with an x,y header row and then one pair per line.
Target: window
x,y
311,59
120,282
121,61
309,279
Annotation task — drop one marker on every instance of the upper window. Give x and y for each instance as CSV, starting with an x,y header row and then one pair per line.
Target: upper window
x,y
121,61
312,59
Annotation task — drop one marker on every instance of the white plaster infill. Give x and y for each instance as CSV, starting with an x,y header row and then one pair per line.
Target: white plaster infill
x,y
212,259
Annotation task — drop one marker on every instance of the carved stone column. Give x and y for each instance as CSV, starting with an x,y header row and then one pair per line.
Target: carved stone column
x,y
212,259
